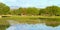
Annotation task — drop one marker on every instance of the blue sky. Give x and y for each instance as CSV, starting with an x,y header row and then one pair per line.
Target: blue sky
x,y
31,3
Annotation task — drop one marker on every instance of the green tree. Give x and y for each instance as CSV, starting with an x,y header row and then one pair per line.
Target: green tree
x,y
32,11
28,11
42,12
4,9
13,12
52,10
22,11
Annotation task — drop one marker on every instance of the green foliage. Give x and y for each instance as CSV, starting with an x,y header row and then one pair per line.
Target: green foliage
x,y
49,10
42,12
22,11
13,12
32,11
4,9
52,10
29,11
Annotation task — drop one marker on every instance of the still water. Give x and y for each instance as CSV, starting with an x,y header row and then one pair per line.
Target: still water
x,y
42,26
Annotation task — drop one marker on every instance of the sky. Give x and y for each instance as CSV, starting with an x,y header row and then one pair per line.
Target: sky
x,y
31,3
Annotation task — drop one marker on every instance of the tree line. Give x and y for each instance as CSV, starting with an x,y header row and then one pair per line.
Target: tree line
x,y
48,11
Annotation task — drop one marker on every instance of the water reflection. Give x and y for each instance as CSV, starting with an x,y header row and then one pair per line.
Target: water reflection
x,y
41,26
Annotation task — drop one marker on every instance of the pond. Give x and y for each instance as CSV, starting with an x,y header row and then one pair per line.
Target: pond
x,y
25,26
32,27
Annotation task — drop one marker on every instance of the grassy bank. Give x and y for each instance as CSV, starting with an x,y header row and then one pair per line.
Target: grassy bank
x,y
49,20
29,19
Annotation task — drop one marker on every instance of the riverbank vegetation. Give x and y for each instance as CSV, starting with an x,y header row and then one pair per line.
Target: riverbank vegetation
x,y
49,15
30,11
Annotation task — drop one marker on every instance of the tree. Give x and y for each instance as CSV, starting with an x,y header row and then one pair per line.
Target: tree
x,y
13,12
4,9
32,11
42,12
22,11
58,12
52,10
29,11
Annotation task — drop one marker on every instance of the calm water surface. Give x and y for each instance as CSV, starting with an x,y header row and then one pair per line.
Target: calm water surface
x,y
41,26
